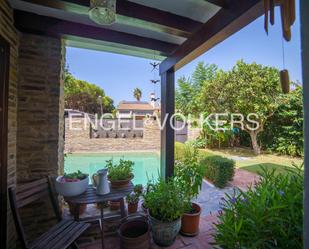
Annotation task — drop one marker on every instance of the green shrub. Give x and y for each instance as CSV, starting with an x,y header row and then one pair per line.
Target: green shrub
x,y
164,200
199,143
218,169
270,215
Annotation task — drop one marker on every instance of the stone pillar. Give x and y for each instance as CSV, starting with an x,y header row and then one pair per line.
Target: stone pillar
x,y
40,107
40,122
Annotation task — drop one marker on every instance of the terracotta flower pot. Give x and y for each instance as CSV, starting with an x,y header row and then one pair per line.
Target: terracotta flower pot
x,y
190,221
82,208
134,233
120,183
114,205
132,208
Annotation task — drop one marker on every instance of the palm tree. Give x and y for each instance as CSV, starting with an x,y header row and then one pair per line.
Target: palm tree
x,y
137,94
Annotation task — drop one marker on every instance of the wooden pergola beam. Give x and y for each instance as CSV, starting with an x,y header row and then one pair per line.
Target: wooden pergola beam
x,y
32,23
225,23
129,13
220,3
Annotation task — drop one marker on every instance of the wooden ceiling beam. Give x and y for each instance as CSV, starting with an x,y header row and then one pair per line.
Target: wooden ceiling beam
x,y
129,13
32,23
219,3
222,25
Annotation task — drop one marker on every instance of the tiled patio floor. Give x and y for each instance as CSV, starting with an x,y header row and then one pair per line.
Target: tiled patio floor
x,y
209,199
201,241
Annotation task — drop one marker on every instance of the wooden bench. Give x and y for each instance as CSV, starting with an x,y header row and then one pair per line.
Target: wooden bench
x,y
60,236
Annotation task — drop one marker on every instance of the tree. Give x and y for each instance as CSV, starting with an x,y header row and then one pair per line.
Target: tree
x,y
246,89
137,93
284,131
188,90
84,96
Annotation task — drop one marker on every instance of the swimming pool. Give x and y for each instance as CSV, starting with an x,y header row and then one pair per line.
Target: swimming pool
x,y
145,164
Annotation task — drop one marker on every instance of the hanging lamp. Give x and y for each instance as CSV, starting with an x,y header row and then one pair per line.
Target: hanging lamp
x,y
103,12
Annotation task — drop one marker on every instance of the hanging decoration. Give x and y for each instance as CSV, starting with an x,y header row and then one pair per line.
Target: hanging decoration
x,y
154,80
103,12
285,81
284,74
288,15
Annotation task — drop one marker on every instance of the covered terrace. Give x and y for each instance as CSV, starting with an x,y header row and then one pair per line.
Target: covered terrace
x,y
33,37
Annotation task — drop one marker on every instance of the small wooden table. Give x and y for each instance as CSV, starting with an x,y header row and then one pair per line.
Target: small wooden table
x,y
91,197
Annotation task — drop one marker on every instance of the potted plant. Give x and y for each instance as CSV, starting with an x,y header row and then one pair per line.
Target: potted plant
x,y
133,198
164,201
72,184
120,174
189,175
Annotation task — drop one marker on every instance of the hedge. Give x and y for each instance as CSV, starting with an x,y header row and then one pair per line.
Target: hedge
x,y
218,169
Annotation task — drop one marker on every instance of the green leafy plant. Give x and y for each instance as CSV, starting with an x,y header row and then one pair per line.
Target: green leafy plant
x,y
218,169
164,200
189,175
121,171
269,215
75,176
199,143
133,198
138,189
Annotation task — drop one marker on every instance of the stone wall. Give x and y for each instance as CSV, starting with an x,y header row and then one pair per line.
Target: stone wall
x,y
193,133
40,122
78,139
8,32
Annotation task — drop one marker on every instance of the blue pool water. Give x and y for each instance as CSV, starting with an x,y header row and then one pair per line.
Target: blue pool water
x,y
145,164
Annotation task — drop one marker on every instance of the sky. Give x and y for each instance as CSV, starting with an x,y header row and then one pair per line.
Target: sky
x,y
119,75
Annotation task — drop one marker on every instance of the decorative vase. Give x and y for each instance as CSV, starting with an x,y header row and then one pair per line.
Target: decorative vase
x,y
164,233
190,221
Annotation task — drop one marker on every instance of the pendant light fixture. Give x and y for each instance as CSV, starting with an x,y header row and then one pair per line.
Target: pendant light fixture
x,y
103,12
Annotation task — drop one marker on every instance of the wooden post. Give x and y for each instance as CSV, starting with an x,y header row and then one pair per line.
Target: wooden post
x,y
167,131
304,10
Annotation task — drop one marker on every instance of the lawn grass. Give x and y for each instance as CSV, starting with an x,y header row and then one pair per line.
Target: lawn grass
x,y
258,168
247,160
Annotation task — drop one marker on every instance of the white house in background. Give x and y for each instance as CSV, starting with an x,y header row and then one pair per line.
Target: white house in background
x,y
126,109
